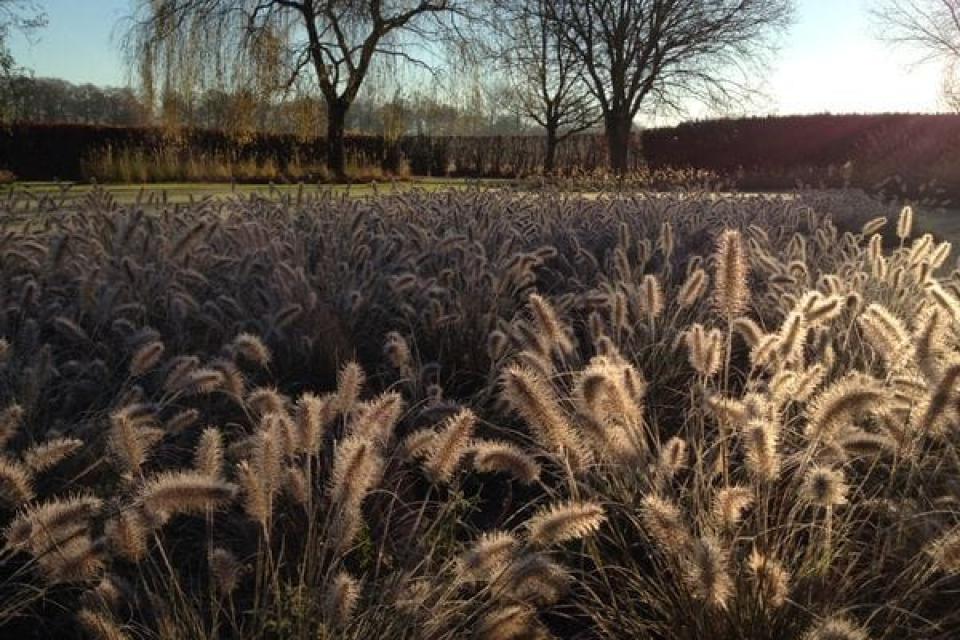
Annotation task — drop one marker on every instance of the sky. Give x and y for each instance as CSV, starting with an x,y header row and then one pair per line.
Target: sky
x,y
830,60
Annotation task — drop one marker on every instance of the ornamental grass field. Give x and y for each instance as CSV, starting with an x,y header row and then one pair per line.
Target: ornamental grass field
x,y
479,414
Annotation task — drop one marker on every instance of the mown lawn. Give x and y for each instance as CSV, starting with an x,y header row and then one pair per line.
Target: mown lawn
x,y
184,192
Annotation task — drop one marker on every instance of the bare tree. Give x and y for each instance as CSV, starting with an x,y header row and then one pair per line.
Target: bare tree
x,y
25,17
546,74
950,86
338,40
663,52
931,28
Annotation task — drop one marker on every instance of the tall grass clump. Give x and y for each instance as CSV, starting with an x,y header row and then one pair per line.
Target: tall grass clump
x,y
477,414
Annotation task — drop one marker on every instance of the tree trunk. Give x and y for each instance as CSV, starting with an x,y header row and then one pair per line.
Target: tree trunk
x,y
550,155
618,127
336,124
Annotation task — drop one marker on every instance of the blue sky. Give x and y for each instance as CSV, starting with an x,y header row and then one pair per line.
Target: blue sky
x,y
830,60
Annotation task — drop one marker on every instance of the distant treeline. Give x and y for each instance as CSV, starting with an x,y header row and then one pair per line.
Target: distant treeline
x,y
416,112
83,152
893,152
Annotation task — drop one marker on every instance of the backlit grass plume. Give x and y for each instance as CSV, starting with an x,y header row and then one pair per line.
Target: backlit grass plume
x,y
51,523
16,483
127,535
536,402
208,457
729,505
487,557
762,458
705,350
357,467
341,600
665,524
551,334
493,456
824,487
836,628
558,523
100,626
350,381
693,288
905,223
252,349
842,399
945,552
771,578
10,419
175,492
146,358
708,572
225,569
730,292
449,445
535,579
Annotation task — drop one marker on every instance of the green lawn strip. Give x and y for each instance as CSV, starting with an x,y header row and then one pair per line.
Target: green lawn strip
x,y
183,192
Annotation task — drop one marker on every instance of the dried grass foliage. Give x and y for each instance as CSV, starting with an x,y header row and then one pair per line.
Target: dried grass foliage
x,y
480,414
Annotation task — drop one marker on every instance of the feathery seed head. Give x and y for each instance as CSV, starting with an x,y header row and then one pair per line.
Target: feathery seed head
x,y
673,457
835,628
264,400
508,622
844,398
313,415
225,570
762,459
252,349
99,625
652,296
397,352
376,419
873,226
188,492
536,402
47,455
905,223
341,600
749,330
449,445
824,487
350,381
357,467
487,557
10,419
565,521
536,579
208,456
550,331
502,457
729,505
16,483
707,572
731,293
771,578
127,535
693,288
146,358
665,525
705,350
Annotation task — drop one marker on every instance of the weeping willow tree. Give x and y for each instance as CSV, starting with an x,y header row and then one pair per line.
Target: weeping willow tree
x,y
179,47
